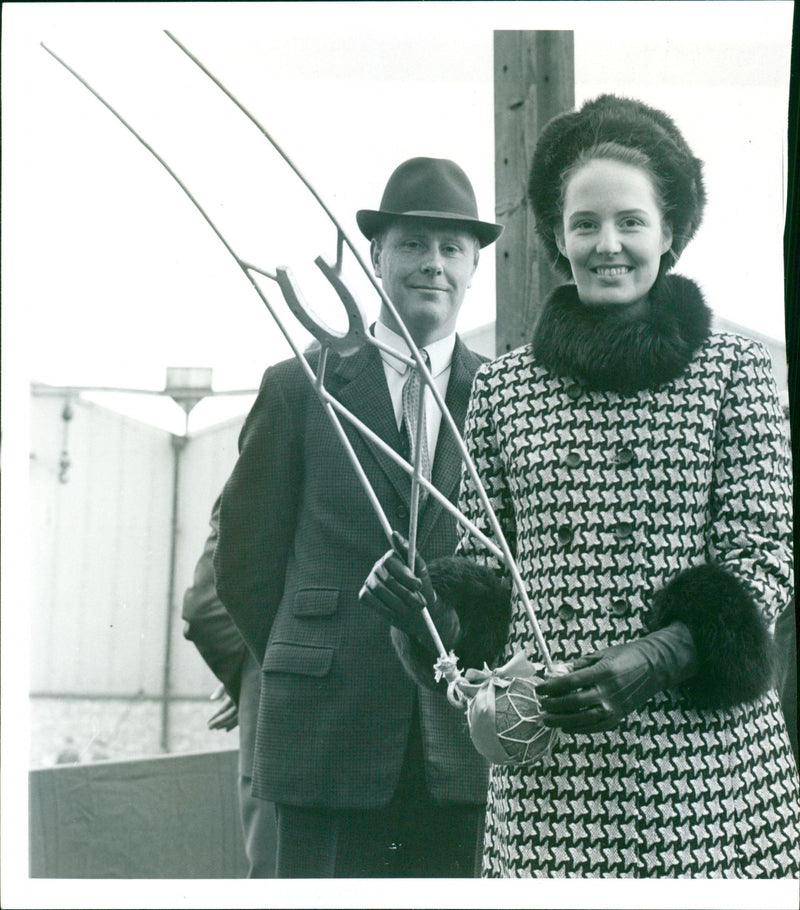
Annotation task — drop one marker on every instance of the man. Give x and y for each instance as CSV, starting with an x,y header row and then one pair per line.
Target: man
x,y
370,775
210,627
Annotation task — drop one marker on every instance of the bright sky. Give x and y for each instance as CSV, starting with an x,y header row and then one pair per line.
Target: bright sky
x,y
110,274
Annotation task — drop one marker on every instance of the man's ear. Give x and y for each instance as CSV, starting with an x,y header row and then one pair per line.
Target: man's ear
x,y
375,256
474,265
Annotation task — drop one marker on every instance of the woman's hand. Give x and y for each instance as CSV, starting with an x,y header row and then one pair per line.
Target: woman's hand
x,y
606,686
399,595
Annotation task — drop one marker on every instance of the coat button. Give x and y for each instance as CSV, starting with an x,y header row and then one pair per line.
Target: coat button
x,y
401,512
620,607
564,534
565,612
573,391
623,457
623,530
572,459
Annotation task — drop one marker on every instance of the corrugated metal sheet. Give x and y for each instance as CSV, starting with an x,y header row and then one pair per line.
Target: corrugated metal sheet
x,y
207,461
100,549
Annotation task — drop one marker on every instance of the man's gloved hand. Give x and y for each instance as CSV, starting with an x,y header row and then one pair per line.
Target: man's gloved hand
x,y
399,595
606,686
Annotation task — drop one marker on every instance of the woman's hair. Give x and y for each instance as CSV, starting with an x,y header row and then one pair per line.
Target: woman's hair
x,y
624,154
624,130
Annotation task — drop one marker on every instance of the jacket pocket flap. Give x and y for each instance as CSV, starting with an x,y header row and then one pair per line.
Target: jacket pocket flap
x,y
285,657
315,602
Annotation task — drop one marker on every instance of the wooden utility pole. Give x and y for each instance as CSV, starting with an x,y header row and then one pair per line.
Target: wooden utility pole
x,y
534,79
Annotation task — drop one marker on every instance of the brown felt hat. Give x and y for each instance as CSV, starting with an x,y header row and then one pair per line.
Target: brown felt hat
x,y
435,189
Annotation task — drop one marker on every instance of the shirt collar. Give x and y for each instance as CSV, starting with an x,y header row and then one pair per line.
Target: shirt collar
x,y
440,352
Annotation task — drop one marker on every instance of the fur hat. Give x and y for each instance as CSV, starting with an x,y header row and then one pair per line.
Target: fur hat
x,y
625,121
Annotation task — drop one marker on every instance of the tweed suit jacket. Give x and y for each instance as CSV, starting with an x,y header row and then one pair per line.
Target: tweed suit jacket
x,y
297,538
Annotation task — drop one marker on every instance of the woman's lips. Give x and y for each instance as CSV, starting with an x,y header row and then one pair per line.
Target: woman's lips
x,y
612,271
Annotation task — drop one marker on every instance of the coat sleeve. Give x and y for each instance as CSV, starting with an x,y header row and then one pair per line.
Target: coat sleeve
x,y
208,624
480,438
259,503
731,602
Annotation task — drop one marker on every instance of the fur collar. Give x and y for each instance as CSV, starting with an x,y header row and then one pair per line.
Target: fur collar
x,y
604,350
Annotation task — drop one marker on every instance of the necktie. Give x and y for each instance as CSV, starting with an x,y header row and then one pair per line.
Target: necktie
x,y
412,390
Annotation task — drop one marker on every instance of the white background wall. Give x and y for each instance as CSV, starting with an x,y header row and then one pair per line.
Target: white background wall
x,y
100,547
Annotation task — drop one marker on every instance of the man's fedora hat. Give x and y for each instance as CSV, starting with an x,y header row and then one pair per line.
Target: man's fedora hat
x,y
431,188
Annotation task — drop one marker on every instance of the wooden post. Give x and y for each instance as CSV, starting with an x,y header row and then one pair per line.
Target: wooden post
x,y
534,79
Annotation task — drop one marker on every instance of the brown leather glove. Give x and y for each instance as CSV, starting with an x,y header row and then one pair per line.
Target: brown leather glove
x,y
605,686
399,595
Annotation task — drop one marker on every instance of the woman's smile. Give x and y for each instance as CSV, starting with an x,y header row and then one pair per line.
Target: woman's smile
x,y
611,271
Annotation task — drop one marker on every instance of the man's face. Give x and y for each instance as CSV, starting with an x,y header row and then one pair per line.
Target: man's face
x,y
425,269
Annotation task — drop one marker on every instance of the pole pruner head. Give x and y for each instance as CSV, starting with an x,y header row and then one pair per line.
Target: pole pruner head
x,y
344,344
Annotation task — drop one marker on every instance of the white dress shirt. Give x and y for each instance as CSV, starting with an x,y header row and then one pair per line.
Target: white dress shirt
x,y
440,354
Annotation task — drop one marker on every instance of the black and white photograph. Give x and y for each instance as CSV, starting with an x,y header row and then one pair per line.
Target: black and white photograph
x,y
397,482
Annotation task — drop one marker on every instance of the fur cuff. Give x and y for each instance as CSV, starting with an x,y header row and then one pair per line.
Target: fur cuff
x,y
482,603
734,646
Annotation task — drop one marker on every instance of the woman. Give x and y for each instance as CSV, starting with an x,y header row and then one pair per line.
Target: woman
x,y
638,467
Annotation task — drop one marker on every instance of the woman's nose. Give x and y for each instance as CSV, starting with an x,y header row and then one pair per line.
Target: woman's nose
x,y
608,241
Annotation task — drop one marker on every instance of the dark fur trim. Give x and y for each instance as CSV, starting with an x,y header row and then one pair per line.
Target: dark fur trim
x,y
734,646
483,604
631,123
603,348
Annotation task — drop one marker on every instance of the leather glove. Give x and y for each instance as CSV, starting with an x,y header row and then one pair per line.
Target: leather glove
x,y
605,686
399,595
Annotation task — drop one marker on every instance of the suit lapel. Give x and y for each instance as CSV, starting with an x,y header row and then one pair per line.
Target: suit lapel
x,y
448,461
359,383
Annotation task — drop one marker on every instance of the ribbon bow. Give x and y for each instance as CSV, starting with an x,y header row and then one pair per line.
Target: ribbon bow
x,y
481,688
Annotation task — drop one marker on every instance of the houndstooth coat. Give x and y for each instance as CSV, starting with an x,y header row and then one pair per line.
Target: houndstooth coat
x,y
641,475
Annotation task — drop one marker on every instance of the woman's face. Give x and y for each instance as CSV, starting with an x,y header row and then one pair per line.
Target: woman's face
x,y
612,232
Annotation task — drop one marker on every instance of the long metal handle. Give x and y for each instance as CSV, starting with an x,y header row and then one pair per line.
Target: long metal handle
x,y
446,416
339,286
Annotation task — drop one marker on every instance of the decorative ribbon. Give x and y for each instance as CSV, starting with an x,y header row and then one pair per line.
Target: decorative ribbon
x,y
480,687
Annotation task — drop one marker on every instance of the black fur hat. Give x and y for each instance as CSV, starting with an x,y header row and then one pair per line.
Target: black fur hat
x,y
609,118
